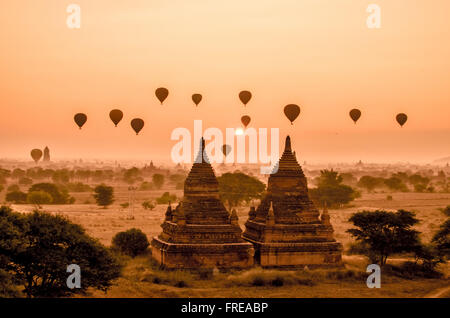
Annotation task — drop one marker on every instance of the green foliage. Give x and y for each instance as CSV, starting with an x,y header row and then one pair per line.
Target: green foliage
x,y
237,187
59,195
146,186
148,205
132,175
446,210
158,180
104,195
385,233
39,246
78,187
166,198
442,239
39,197
17,197
25,181
13,188
396,184
131,242
370,183
330,191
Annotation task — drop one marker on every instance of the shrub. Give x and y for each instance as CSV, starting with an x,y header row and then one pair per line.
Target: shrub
x,y
131,242
78,187
13,188
59,196
146,186
389,198
25,181
17,197
148,205
39,197
262,277
166,198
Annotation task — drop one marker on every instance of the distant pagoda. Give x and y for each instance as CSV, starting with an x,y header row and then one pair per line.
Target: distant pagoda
x,y
199,232
46,154
285,229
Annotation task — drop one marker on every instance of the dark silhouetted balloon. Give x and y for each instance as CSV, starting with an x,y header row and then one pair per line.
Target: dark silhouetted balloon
x,y
116,116
226,149
401,119
197,98
355,114
292,111
245,120
245,97
36,154
162,93
137,124
80,119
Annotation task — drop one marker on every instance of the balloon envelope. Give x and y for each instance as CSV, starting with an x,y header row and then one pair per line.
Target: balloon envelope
x,y
401,119
292,111
80,119
162,93
245,120
245,97
36,154
226,149
137,124
355,114
197,98
116,116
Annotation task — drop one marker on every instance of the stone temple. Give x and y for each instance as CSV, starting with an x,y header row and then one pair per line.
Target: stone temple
x,y
199,232
286,229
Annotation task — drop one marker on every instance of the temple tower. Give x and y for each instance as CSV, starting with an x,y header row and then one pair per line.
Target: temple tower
x,y
199,232
46,154
286,229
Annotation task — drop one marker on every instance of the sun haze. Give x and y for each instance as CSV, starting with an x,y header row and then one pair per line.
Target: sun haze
x,y
318,54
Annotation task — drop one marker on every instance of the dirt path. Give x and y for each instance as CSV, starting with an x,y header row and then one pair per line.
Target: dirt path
x,y
438,293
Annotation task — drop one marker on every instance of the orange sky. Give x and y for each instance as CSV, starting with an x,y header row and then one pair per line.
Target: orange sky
x,y
315,53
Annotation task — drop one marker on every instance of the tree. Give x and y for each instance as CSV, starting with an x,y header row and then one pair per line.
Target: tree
x,y
146,186
131,242
442,239
132,175
39,197
39,247
25,181
330,191
446,210
59,195
17,197
166,198
385,233
396,184
369,183
13,188
158,180
237,187
104,195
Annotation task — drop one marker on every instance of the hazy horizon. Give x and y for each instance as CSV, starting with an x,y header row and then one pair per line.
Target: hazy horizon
x,y
318,54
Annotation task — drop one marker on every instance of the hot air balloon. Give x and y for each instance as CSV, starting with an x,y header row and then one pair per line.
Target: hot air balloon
x,y
355,114
137,124
36,154
245,97
80,119
197,98
292,111
245,120
401,119
226,149
162,93
116,116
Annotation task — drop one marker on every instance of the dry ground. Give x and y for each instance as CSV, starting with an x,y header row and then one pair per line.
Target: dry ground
x,y
105,223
